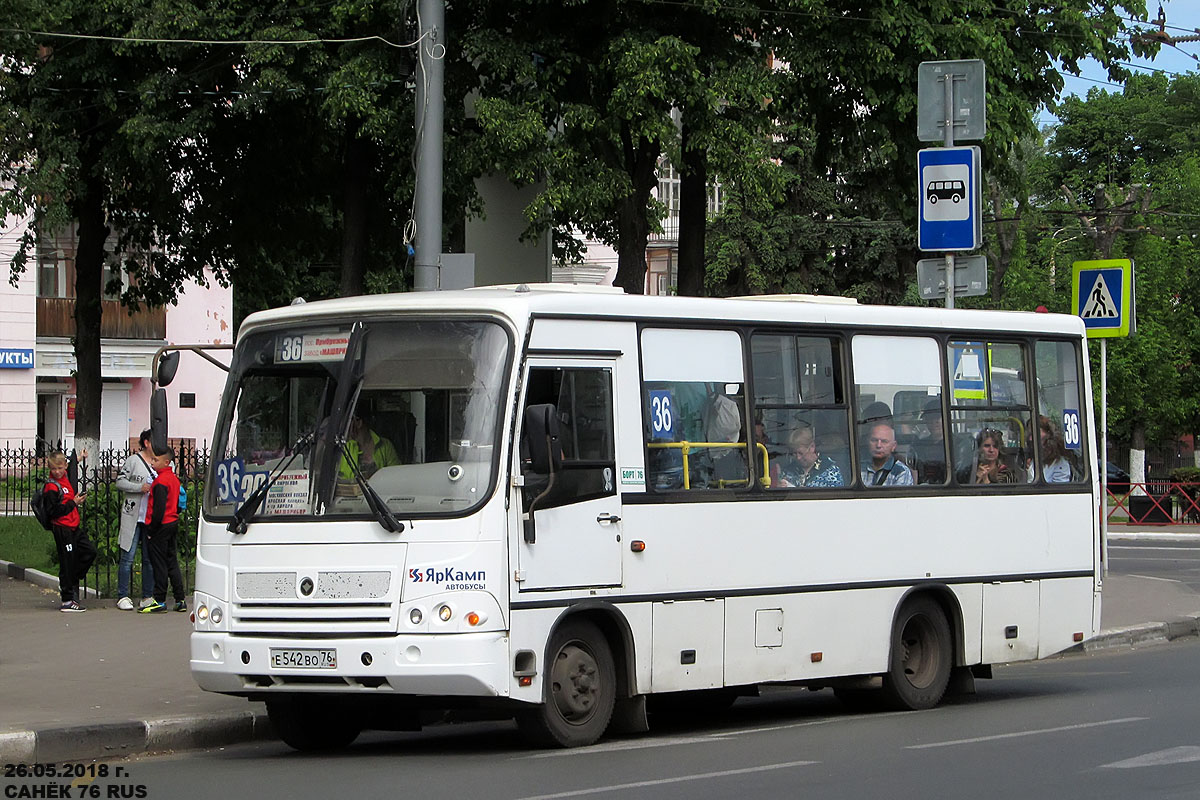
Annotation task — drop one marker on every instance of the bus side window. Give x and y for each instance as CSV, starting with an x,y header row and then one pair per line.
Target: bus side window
x,y
693,409
1060,451
582,403
895,379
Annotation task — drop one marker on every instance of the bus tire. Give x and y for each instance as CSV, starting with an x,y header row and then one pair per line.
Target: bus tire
x,y
581,689
921,657
312,724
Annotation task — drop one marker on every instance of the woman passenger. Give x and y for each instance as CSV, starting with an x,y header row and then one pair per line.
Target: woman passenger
x,y
989,468
1055,467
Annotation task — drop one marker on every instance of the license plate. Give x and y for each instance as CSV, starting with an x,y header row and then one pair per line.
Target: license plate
x,y
303,659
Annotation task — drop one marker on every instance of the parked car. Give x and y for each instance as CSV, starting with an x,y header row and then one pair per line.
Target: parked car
x,y
1116,478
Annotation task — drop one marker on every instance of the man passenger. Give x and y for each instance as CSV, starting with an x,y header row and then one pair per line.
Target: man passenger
x,y
884,469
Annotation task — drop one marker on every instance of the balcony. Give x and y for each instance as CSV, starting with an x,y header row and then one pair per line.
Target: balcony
x,y
56,317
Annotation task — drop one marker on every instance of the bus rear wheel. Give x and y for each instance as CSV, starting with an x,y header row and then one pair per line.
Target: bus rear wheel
x,y
919,668
312,724
581,689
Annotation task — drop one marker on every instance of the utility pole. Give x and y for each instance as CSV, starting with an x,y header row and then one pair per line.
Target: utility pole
x,y
427,212
1161,34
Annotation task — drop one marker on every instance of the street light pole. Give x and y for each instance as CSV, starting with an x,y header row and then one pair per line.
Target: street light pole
x,y
427,212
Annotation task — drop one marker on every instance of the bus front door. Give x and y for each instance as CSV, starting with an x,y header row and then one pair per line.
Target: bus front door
x,y
574,538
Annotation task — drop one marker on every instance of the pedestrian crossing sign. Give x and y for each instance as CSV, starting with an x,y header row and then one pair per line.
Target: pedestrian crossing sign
x,y
1102,295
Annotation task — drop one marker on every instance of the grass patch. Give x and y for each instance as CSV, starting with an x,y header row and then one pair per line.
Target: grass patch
x,y
23,541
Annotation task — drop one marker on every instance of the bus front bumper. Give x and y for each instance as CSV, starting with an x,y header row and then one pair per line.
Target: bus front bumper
x,y
439,665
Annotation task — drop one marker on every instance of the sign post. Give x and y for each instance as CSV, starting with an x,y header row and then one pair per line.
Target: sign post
x,y
1102,295
965,110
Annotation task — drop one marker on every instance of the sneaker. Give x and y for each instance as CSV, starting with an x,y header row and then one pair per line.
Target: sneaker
x,y
181,605
71,607
125,604
146,602
155,607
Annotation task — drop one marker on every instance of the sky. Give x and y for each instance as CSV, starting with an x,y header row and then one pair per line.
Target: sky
x,y
1183,18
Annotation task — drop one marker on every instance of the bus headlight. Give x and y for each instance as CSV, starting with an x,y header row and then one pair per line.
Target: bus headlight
x,y
415,616
445,612
202,613
216,615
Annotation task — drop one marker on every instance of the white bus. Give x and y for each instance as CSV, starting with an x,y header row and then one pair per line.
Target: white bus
x,y
553,504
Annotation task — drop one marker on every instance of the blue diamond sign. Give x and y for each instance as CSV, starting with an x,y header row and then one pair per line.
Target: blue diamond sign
x,y
1102,295
949,199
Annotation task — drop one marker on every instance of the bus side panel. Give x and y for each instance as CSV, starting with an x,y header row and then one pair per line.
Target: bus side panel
x,y
1066,610
970,602
531,630
1011,617
850,630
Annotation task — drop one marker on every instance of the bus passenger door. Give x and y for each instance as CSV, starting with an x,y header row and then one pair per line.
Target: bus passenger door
x,y
574,539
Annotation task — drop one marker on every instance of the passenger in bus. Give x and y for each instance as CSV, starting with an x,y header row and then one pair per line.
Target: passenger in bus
x,y
722,424
1055,467
368,449
989,467
930,451
806,467
884,469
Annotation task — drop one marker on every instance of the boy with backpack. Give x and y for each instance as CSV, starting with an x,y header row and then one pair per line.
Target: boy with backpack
x,y
162,527
76,553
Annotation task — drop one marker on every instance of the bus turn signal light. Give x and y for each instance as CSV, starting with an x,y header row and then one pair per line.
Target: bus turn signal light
x,y
637,545
473,619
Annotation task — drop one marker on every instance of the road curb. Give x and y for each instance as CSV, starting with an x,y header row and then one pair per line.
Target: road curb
x,y
112,740
1147,632
38,578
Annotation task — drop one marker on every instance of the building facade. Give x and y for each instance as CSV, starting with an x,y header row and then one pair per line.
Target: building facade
x,y
37,362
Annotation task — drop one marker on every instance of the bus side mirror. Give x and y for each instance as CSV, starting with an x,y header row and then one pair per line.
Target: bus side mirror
x,y
168,365
541,435
158,420
542,454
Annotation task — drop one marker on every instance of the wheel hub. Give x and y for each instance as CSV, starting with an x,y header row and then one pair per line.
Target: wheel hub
x,y
575,683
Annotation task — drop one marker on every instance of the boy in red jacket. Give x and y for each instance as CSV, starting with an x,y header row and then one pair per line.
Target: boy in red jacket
x,y
75,549
162,526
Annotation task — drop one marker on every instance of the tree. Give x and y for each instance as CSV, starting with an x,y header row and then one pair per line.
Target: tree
x,y
1125,166
581,97
80,142
847,116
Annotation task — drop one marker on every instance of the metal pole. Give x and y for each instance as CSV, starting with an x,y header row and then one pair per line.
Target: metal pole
x,y
948,140
427,213
1104,454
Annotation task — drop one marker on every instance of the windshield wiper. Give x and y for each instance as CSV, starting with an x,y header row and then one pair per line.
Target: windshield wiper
x,y
378,507
241,517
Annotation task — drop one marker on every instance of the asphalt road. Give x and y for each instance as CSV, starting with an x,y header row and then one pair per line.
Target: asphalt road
x,y
1157,560
1114,724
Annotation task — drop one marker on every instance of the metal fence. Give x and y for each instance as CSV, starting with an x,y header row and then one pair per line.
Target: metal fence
x,y
1155,503
24,471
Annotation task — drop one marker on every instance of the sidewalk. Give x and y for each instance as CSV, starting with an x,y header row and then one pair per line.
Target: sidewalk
x,y
108,683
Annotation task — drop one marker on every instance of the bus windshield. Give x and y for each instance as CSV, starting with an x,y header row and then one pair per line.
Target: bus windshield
x,y
411,408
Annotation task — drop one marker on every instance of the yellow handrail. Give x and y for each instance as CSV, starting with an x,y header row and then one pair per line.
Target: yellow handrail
x,y
686,447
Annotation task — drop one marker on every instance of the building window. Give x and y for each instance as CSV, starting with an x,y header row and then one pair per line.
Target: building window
x,y
187,399
54,254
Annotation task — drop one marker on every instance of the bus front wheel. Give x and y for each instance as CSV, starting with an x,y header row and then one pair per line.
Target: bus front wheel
x,y
919,668
312,723
581,689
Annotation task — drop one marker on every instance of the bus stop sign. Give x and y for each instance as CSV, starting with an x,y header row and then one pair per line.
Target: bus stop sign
x,y
950,198
1102,295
